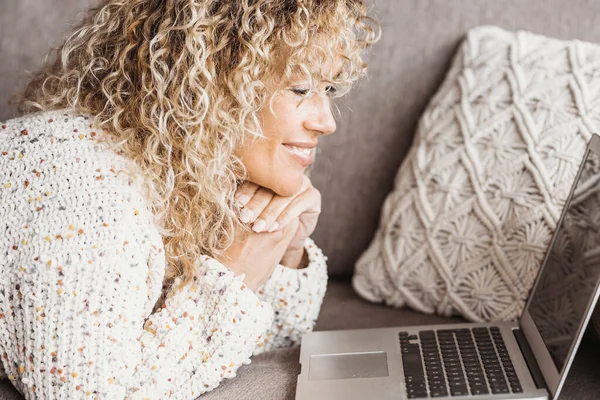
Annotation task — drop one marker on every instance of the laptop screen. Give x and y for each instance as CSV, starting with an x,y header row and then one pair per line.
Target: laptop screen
x,y
572,268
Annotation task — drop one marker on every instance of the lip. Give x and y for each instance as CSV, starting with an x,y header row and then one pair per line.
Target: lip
x,y
304,145
304,160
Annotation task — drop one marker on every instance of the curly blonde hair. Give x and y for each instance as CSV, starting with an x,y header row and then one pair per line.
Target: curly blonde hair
x,y
178,86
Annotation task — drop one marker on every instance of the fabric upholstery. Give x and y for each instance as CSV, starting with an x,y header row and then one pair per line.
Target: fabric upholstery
x,y
355,167
479,195
273,375
378,118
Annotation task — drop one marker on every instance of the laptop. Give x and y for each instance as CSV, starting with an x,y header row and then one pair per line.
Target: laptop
x,y
525,359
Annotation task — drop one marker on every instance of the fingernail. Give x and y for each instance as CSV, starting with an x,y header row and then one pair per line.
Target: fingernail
x,y
243,199
246,215
274,226
259,225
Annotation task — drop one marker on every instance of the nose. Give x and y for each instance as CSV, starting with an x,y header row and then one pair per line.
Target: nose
x,y
321,118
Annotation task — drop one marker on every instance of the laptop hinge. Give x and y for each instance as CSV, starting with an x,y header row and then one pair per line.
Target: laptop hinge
x,y
538,378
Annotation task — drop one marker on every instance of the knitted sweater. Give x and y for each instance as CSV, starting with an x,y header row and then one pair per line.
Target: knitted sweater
x,y
82,265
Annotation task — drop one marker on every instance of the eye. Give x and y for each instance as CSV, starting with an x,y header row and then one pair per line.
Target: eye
x,y
330,90
300,92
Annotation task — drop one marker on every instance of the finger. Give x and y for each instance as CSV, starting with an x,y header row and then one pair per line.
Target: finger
x,y
245,192
279,204
271,212
307,200
262,197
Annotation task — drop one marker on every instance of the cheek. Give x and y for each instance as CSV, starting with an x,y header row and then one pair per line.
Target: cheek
x,y
271,167
267,161
261,158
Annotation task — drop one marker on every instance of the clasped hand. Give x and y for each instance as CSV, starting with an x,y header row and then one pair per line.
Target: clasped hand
x,y
287,222
269,212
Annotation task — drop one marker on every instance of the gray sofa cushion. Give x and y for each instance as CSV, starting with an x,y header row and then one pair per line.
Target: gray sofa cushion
x,y
8,392
355,168
406,68
273,375
481,190
377,125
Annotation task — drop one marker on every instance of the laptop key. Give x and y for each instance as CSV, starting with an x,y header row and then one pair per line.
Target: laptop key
x,y
500,389
416,394
480,390
516,388
452,364
457,373
459,390
414,371
463,353
411,360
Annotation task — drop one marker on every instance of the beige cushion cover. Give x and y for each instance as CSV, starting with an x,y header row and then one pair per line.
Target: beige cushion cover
x,y
477,198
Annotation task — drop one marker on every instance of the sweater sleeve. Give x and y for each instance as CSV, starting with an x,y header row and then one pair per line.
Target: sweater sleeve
x,y
296,296
76,315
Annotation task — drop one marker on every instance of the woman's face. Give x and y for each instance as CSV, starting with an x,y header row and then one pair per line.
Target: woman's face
x,y
273,162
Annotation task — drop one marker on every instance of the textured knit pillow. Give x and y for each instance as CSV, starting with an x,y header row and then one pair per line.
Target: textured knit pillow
x,y
479,194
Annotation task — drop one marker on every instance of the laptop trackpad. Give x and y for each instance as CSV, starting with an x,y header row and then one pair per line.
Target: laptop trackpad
x,y
348,366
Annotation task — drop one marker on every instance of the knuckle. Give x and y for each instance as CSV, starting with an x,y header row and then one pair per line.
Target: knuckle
x,y
260,200
284,216
269,217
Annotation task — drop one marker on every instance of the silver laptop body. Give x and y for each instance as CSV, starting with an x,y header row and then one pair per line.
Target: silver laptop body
x,y
528,359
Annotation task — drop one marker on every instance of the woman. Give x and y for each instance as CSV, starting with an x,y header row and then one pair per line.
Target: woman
x,y
155,202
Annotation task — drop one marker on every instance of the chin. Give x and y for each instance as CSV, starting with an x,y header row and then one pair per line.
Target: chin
x,y
286,186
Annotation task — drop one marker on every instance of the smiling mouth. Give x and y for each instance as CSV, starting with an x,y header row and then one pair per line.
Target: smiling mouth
x,y
302,155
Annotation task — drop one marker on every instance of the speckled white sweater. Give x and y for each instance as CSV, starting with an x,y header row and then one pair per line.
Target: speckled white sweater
x,y
81,267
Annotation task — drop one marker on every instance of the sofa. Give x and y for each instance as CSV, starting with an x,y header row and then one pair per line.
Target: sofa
x,y
355,168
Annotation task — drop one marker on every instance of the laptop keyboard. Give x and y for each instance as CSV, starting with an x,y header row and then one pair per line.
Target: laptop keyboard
x,y
457,362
